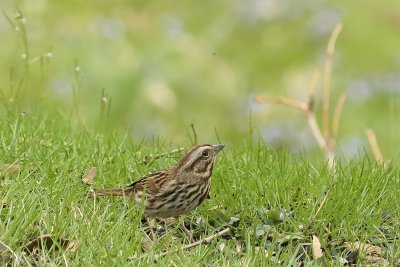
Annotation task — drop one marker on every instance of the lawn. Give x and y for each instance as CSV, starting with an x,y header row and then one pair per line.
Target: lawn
x,y
95,98
275,208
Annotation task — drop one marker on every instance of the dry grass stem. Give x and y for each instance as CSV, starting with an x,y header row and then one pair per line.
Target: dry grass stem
x,y
324,138
312,89
327,79
374,145
4,246
337,113
281,100
312,123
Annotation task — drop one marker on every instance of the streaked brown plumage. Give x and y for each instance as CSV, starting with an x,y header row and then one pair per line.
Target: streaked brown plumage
x,y
175,191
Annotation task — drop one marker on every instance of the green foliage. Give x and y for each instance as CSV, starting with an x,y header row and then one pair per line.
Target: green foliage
x,y
108,85
269,200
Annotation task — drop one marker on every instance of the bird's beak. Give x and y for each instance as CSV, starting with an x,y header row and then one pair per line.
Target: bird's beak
x,y
217,148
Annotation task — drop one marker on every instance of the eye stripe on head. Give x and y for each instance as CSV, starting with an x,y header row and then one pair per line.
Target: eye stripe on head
x,y
193,155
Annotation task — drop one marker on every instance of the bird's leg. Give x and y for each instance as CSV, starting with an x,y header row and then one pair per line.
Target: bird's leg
x,y
167,222
186,232
171,220
150,224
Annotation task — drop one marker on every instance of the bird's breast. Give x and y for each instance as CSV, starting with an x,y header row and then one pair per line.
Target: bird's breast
x,y
176,201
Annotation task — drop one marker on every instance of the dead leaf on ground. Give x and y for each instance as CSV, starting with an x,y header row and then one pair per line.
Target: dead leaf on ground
x,y
88,177
47,241
5,255
316,248
72,246
46,143
238,248
9,168
4,247
369,253
261,250
366,249
146,243
221,247
76,211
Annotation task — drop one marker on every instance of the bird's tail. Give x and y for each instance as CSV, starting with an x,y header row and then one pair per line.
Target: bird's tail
x,y
113,192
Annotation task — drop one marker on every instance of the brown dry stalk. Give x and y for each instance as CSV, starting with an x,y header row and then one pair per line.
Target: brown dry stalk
x,y
313,88
281,100
312,123
327,79
324,138
306,108
323,143
337,113
374,145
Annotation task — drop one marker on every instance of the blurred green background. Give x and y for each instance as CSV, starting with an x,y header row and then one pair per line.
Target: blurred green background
x,y
158,66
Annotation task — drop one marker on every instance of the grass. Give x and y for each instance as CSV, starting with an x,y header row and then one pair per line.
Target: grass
x,y
281,209
252,186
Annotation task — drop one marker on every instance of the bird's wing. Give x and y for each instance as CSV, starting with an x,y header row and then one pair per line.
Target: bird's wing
x,y
152,183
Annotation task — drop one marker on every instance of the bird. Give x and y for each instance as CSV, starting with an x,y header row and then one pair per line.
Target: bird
x,y
173,191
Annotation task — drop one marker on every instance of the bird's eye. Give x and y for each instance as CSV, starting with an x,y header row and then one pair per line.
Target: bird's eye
x,y
205,153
